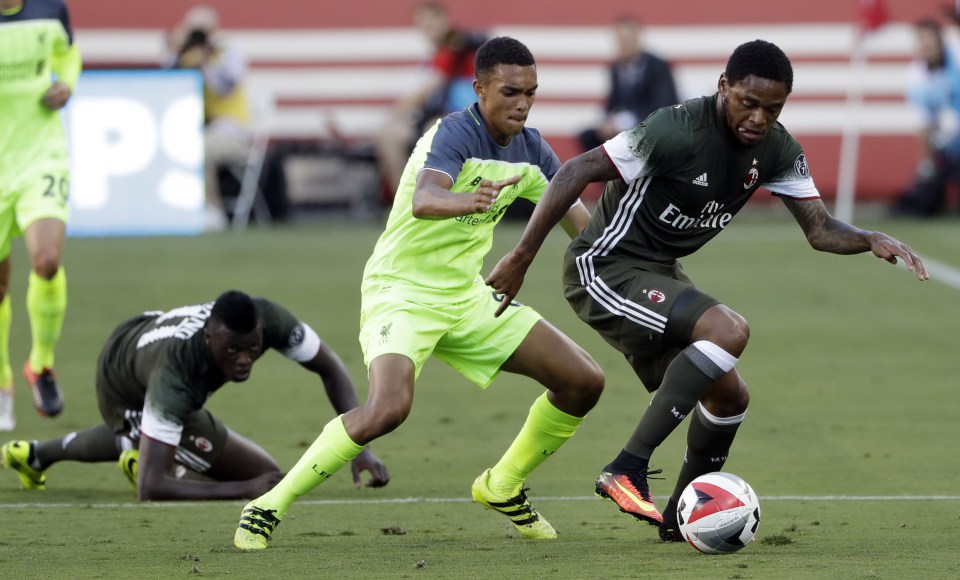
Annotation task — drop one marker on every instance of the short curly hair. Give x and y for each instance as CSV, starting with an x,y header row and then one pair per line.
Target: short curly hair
x,y
762,59
236,311
501,50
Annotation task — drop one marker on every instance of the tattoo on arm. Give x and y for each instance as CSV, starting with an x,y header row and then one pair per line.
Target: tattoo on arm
x,y
824,232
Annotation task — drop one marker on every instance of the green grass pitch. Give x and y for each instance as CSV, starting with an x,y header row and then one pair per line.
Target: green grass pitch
x,y
850,439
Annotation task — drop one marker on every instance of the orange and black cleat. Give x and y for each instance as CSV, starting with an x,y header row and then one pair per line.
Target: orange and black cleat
x,y
631,493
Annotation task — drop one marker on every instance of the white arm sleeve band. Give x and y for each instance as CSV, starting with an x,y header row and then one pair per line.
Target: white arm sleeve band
x,y
306,348
156,427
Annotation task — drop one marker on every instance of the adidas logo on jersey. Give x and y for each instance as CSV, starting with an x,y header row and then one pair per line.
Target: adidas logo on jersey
x,y
702,180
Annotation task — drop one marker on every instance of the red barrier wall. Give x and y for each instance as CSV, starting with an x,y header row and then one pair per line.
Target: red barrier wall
x,y
335,14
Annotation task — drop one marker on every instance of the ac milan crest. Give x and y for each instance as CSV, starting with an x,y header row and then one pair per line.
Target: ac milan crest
x,y
656,296
203,444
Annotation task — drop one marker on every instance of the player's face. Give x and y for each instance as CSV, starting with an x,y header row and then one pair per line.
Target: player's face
x,y
232,352
751,106
505,99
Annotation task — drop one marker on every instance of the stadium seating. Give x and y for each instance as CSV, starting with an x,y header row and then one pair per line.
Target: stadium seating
x,y
340,82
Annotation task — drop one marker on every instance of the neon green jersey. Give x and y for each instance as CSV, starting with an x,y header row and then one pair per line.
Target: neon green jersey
x,y
441,258
35,43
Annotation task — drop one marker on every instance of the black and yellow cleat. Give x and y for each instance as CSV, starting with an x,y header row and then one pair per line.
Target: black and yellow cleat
x,y
17,455
128,465
518,510
257,523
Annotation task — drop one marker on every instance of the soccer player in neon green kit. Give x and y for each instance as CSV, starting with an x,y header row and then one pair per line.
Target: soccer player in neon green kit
x,y
423,294
39,67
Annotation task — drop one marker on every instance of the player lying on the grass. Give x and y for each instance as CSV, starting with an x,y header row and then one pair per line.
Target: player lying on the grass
x,y
154,375
423,295
673,183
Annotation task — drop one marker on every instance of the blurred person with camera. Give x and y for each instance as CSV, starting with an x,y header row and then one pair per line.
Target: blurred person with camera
x,y
194,44
39,68
933,90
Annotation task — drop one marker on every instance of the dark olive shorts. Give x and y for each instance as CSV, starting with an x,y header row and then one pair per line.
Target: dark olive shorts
x,y
202,442
645,310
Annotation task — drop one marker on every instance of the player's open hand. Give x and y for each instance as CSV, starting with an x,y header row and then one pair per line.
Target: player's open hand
x,y
487,192
507,278
889,249
367,461
56,96
263,483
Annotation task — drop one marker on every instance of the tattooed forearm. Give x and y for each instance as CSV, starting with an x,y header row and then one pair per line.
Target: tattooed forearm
x,y
823,231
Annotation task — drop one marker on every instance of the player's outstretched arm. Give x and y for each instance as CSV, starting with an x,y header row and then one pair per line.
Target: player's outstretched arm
x,y
564,189
343,396
828,234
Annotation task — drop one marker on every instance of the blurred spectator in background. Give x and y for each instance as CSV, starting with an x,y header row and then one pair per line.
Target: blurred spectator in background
x,y
933,88
640,83
193,43
448,87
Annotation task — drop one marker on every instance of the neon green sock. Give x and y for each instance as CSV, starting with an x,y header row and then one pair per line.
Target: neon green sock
x,y
546,429
332,450
46,307
6,316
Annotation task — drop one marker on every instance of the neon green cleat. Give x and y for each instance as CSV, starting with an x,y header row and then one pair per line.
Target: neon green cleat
x,y
257,522
528,522
17,455
128,465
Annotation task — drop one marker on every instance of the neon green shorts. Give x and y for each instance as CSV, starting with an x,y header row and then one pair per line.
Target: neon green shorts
x,y
40,191
462,333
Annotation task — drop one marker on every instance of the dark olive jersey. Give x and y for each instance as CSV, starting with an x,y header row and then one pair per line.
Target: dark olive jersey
x,y
684,177
160,362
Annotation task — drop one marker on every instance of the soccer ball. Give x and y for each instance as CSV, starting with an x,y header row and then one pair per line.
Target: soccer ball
x,y
718,513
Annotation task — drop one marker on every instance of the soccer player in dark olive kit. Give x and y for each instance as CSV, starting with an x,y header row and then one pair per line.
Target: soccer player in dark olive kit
x,y
154,375
673,183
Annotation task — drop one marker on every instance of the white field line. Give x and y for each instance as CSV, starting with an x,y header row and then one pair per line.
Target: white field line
x,y
428,500
941,272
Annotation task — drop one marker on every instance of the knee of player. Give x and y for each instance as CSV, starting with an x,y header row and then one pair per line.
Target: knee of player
x,y
592,379
386,417
737,332
730,403
46,264
725,328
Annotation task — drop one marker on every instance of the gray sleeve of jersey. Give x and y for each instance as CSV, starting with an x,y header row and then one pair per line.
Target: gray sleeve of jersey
x,y
284,332
792,179
449,149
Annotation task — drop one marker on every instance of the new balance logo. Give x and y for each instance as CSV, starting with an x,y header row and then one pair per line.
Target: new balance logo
x,y
702,180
